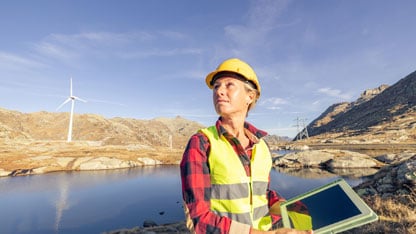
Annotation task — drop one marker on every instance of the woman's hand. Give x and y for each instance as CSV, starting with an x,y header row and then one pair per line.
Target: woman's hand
x,y
281,231
275,209
291,231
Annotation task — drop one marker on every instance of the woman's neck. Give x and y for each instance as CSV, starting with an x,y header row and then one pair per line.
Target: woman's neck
x,y
234,126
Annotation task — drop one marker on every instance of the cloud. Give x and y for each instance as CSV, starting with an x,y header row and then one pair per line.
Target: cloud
x,y
264,13
335,93
56,51
159,53
261,21
12,61
71,46
103,38
174,35
128,45
273,103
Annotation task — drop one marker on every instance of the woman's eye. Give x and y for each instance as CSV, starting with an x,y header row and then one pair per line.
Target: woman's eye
x,y
230,84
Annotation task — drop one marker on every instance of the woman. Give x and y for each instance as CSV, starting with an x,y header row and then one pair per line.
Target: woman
x,y
225,168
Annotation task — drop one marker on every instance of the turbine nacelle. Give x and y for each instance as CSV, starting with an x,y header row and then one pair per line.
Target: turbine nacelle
x,y
77,98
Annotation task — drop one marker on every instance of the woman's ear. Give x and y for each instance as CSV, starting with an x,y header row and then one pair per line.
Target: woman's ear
x,y
250,98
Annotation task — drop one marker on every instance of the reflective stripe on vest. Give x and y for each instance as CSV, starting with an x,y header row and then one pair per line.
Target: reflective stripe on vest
x,y
230,185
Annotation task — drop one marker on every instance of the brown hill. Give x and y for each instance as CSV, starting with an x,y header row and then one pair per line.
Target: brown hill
x,y
35,143
45,126
382,115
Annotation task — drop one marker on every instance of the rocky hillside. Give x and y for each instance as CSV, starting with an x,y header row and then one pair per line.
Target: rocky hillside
x,y
44,126
387,113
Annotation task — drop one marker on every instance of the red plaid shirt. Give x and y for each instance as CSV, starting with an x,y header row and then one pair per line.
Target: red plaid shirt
x,y
196,182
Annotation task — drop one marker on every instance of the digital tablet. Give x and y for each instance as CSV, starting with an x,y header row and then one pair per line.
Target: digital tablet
x,y
332,208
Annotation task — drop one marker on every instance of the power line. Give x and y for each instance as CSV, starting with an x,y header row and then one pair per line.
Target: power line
x,y
301,128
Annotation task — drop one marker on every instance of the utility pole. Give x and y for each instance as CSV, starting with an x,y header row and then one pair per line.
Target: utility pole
x,y
170,142
301,124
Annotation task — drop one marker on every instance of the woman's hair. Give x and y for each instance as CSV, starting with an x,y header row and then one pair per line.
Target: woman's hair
x,y
250,88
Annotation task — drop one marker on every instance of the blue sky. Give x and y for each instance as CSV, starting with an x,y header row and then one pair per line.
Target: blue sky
x,y
148,59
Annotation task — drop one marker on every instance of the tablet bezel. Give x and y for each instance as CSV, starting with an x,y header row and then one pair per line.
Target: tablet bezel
x,y
366,213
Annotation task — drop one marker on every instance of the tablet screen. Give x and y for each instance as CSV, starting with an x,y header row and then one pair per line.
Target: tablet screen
x,y
327,207
332,208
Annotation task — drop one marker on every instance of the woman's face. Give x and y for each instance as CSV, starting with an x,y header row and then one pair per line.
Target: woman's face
x,y
230,97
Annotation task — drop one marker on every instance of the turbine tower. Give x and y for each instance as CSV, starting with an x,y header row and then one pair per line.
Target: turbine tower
x,y
71,98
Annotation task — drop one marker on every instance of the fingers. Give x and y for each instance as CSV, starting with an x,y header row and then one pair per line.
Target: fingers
x,y
291,231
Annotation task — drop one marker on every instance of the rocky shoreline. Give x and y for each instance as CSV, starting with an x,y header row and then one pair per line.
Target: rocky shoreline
x,y
390,174
80,164
153,228
396,179
42,157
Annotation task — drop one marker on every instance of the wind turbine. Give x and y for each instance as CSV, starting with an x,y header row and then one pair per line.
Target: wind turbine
x,y
71,98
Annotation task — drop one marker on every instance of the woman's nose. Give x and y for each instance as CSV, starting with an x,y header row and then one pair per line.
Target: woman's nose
x,y
220,90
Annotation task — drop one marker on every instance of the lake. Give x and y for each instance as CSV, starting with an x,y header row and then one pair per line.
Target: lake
x,y
98,201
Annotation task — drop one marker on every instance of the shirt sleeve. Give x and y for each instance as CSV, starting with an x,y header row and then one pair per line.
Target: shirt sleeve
x,y
274,197
196,188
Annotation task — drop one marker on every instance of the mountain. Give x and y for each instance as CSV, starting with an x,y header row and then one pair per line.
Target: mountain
x,y
388,112
46,126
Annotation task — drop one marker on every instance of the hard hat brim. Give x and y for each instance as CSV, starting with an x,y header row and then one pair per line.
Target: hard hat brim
x,y
209,78
210,82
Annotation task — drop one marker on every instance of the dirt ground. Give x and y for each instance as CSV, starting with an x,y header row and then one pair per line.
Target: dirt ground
x,y
13,156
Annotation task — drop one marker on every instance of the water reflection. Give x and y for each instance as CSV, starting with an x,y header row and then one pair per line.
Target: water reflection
x,y
98,201
307,173
355,173
316,173
90,202
61,203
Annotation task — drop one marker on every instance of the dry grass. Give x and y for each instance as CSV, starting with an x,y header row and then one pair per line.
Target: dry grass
x,y
21,156
396,215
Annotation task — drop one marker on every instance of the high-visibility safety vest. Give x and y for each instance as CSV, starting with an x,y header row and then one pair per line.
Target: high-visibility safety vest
x,y
231,188
300,221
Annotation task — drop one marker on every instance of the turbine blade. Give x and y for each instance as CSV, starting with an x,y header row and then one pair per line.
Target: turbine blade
x,y
70,87
77,98
66,101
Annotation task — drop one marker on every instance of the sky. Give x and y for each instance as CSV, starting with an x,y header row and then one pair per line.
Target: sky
x,y
148,59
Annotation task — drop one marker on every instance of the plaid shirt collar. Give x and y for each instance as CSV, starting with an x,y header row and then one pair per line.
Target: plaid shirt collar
x,y
252,132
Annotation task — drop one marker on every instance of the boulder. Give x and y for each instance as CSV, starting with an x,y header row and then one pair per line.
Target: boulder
x,y
149,161
4,172
395,157
392,180
326,159
351,161
102,163
78,161
64,161
309,158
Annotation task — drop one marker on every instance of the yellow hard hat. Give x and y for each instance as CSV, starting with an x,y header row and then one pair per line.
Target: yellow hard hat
x,y
236,66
